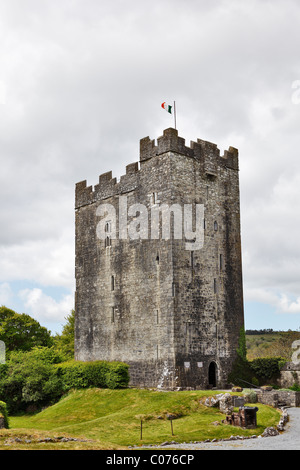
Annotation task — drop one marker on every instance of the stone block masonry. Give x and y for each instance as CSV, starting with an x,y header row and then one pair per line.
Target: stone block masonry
x,y
173,313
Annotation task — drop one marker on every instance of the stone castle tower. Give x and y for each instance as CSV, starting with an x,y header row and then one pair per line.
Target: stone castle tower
x,y
171,310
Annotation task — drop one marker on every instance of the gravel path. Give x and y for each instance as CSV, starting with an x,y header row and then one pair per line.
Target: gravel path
x,y
288,440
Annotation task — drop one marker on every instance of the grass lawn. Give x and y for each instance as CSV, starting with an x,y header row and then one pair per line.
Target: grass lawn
x,y
111,419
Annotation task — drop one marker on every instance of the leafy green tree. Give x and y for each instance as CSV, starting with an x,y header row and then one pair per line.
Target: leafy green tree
x,y
22,332
64,343
30,378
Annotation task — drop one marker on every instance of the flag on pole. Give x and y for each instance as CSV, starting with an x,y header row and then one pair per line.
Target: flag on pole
x,y
167,107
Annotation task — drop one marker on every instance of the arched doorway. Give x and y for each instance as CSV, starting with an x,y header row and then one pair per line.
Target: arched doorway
x,y
212,374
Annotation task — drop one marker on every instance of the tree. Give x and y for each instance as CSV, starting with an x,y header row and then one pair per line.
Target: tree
x,y
30,379
65,342
22,332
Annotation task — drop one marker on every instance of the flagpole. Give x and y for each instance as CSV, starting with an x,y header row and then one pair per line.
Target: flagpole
x,y
174,114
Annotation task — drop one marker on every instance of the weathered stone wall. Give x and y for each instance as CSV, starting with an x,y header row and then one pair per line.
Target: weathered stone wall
x,y
290,375
277,398
171,311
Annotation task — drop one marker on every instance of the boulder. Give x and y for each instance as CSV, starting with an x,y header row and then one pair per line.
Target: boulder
x,y
270,432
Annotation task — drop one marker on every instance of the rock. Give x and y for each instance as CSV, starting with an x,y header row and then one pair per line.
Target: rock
x,y
270,432
237,389
226,404
211,401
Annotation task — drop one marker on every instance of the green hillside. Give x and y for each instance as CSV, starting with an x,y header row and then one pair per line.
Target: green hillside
x,y
112,419
269,343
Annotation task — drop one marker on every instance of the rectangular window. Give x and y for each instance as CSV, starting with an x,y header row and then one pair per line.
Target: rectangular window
x,y
221,262
112,314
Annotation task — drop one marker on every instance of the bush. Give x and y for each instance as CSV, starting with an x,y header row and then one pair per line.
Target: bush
x,y
250,397
38,378
102,374
3,412
266,367
29,379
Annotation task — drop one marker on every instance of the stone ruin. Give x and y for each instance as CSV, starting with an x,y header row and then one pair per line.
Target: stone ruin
x,y
246,415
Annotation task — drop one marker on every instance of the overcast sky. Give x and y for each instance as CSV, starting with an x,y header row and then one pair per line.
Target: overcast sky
x,y
82,81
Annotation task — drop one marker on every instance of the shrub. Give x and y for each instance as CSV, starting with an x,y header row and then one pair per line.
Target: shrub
x,y
3,412
29,379
266,367
250,397
38,378
102,374
295,388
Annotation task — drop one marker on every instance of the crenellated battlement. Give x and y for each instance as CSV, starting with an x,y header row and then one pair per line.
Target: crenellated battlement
x,y
207,153
201,150
107,186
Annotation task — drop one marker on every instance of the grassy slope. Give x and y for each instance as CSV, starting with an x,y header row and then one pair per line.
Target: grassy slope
x,y
111,418
277,343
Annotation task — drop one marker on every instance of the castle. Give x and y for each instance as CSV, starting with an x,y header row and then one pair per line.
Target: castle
x,y
158,265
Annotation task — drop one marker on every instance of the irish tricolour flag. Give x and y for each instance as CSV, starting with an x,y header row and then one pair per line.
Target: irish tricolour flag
x,y
167,107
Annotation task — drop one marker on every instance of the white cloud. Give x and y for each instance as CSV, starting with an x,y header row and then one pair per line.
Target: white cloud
x,y
43,307
280,301
48,262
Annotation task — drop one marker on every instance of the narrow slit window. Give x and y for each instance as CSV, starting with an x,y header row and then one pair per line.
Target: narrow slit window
x,y
192,259
112,314
173,290
108,234
215,286
221,262
215,225
112,282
